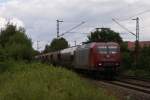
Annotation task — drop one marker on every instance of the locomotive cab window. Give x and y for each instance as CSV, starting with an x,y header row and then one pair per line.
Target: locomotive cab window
x,y
113,49
102,49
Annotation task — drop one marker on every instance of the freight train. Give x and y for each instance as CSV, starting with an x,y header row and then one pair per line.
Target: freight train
x,y
96,56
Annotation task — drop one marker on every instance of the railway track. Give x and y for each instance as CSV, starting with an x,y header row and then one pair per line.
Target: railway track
x,y
136,83
123,88
134,77
131,85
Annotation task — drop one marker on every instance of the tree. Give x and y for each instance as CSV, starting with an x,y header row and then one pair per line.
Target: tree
x,y
144,59
56,44
6,34
47,49
104,35
15,44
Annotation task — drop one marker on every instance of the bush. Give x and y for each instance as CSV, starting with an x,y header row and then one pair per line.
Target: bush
x,y
138,73
15,44
127,60
41,82
143,64
144,59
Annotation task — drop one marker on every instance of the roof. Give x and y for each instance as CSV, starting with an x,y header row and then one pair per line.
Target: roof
x,y
131,45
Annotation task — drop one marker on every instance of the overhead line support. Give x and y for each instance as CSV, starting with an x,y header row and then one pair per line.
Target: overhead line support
x,y
58,21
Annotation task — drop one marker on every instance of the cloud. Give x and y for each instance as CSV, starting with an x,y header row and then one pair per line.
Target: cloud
x,y
14,21
39,17
3,22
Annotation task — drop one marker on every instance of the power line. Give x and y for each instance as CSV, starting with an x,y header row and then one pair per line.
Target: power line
x,y
136,35
123,27
72,28
135,15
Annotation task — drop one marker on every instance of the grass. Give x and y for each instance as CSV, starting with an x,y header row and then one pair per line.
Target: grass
x,y
38,81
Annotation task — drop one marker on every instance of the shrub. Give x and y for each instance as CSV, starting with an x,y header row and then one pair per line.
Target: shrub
x,y
144,59
15,44
41,82
127,60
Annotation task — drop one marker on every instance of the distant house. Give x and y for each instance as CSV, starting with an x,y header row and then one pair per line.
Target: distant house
x,y
131,45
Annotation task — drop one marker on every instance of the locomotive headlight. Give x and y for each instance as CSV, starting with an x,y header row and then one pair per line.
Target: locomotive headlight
x,y
108,56
117,64
100,64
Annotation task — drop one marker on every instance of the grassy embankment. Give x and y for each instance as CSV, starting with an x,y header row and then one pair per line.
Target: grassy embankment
x,y
20,81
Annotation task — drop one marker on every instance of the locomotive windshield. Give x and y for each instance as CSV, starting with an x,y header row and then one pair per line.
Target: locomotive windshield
x,y
112,49
102,49
107,49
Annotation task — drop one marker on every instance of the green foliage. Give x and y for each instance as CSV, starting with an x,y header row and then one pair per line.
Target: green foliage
x,y
41,82
142,69
56,44
144,58
14,44
127,56
105,35
35,53
127,60
124,47
6,34
140,73
47,49
3,55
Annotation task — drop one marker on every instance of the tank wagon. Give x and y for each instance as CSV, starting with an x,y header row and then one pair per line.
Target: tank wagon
x,y
96,56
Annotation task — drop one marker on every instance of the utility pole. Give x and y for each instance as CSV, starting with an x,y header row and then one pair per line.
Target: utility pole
x,y
38,45
136,35
58,21
137,28
137,41
75,42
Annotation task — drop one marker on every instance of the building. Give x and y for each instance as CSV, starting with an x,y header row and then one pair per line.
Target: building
x,y
131,45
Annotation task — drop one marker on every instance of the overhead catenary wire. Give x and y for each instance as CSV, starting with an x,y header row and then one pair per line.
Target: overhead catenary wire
x,y
69,31
135,15
123,27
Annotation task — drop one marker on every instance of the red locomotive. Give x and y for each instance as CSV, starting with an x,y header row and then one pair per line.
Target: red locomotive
x,y
96,56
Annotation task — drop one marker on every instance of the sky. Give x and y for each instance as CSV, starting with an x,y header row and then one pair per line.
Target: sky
x,y
39,17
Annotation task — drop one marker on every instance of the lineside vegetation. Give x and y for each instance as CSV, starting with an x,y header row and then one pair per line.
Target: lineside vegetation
x,y
22,80
38,81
